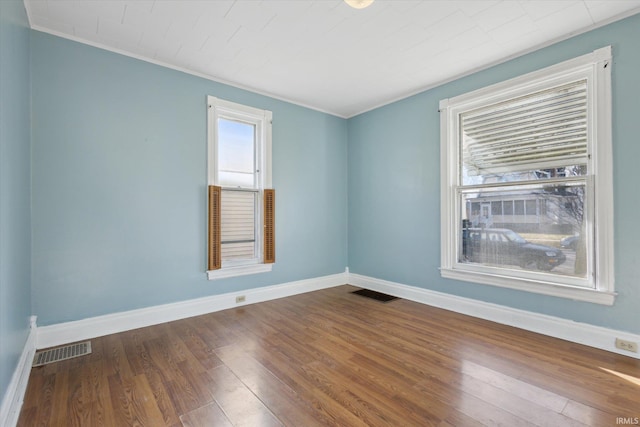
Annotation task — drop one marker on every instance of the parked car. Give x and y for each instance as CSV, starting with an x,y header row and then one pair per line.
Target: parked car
x,y
569,242
502,246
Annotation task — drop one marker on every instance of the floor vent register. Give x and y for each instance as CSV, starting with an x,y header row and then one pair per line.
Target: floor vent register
x,y
70,351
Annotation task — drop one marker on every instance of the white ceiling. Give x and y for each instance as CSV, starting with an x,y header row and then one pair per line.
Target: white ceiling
x,y
322,53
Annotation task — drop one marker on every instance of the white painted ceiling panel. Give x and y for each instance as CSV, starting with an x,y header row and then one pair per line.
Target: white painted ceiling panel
x,y
322,53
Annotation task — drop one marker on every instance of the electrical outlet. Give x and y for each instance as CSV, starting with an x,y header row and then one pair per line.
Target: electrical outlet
x,y
627,345
240,299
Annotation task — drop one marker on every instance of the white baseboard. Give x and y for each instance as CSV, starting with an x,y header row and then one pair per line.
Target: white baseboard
x,y
14,396
68,332
581,333
64,333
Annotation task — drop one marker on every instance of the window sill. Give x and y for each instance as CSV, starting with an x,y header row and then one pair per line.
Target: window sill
x,y
539,287
240,270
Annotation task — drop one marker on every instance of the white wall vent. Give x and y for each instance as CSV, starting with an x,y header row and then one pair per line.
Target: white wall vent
x,y
61,353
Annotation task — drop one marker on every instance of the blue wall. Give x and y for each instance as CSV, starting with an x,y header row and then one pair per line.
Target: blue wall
x,y
394,184
15,219
119,184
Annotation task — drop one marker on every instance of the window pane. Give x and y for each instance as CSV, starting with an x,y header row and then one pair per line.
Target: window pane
x,y
518,207
547,128
469,178
238,224
237,251
236,154
530,207
551,240
508,207
496,208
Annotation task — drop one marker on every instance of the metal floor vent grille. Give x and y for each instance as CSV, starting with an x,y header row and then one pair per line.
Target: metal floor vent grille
x,y
61,353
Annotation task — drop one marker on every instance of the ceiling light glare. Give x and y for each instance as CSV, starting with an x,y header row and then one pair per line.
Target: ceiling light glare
x,y
358,4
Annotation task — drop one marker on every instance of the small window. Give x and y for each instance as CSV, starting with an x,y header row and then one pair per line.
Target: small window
x,y
496,208
508,207
518,207
526,164
530,207
239,168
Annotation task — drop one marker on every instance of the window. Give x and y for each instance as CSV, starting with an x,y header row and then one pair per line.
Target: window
x,y
240,199
526,197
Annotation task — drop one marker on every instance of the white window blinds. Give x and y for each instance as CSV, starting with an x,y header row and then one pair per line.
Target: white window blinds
x,y
543,129
238,224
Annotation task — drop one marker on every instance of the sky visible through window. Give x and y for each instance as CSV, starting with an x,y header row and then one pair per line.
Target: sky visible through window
x,y
236,153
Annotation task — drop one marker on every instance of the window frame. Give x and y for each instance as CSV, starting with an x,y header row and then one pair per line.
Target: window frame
x,y
596,68
262,120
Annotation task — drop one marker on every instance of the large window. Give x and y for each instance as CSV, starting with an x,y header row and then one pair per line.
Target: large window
x,y
527,182
240,202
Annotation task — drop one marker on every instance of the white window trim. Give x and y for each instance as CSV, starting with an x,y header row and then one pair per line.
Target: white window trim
x,y
598,65
217,107
238,270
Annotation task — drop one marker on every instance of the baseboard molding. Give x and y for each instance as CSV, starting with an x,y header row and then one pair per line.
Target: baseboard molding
x,y
581,333
14,396
68,332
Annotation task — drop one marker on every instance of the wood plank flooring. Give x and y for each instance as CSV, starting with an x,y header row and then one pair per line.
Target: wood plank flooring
x,y
333,358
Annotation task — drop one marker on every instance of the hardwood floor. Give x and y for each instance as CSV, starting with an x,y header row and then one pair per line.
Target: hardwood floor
x,y
333,358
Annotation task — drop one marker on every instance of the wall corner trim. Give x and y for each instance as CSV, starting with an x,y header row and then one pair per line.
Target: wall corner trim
x,y
577,332
68,332
14,396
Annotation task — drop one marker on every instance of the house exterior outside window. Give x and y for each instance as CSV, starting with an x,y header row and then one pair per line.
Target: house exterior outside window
x,y
526,195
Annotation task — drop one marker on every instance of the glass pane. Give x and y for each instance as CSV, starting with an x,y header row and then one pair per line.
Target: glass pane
x,y
237,251
530,206
236,154
508,207
496,208
468,178
547,128
236,179
238,224
526,238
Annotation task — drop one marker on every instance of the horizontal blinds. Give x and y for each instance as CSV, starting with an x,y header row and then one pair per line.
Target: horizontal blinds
x,y
541,130
238,218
